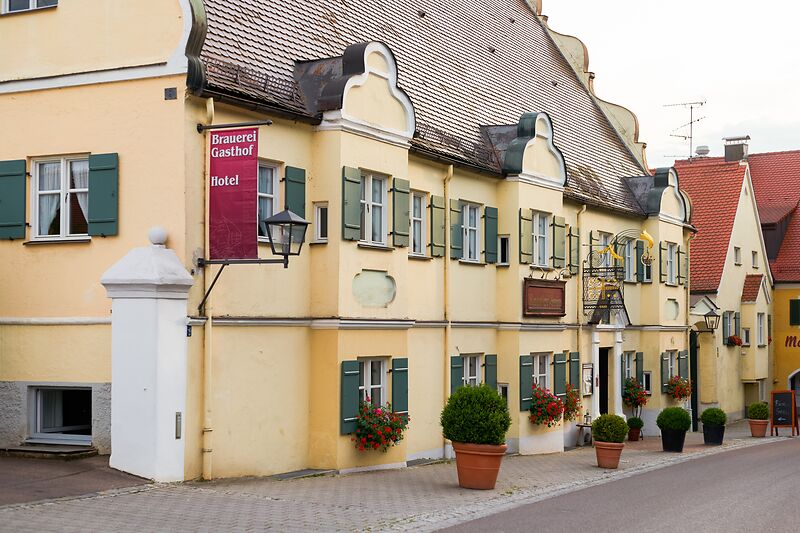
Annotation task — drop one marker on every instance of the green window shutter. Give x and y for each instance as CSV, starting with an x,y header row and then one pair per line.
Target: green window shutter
x,y
438,245
12,199
349,397
525,381
664,371
103,194
490,370
525,236
296,191
574,251
794,312
737,323
639,264
400,211
400,385
559,242
725,328
560,373
490,234
456,372
683,363
456,230
351,204
640,367
575,370
681,269
662,262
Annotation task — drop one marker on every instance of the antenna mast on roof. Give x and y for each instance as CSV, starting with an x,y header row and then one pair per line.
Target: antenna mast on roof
x,y
692,120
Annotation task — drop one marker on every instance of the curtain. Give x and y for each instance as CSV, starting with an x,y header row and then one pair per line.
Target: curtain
x,y
79,172
49,180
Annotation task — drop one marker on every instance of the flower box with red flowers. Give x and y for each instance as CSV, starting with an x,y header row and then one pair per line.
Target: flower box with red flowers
x,y
572,403
377,427
546,408
734,340
633,393
679,388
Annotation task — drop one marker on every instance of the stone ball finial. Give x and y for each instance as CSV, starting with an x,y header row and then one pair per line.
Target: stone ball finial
x,y
157,236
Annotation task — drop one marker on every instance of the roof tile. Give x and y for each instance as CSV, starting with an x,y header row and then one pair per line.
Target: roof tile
x,y
751,288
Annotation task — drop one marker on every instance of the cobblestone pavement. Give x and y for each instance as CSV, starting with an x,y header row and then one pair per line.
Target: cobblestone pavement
x,y
420,498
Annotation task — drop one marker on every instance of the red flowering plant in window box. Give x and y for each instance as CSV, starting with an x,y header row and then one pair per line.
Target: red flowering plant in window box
x,y
546,407
572,403
679,388
734,340
634,395
377,427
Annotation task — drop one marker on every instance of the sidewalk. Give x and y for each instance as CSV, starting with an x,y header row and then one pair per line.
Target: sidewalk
x,y
418,498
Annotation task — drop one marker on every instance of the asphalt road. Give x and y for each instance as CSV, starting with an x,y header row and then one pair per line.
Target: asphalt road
x,y
748,490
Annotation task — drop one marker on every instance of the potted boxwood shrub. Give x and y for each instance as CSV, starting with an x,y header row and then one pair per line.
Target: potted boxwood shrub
x,y
635,425
475,420
609,433
758,417
713,420
673,422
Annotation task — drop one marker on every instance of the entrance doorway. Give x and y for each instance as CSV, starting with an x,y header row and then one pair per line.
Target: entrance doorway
x,y
61,416
602,374
794,383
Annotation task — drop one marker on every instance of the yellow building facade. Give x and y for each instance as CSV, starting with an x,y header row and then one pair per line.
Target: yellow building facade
x,y
415,263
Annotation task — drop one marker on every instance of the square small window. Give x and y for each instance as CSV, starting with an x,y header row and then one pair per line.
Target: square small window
x,y
321,222
755,259
502,389
502,248
647,379
745,336
737,255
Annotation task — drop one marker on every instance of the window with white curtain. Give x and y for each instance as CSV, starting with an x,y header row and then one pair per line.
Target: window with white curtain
x,y
61,197
605,257
268,201
373,209
472,370
471,215
541,224
762,341
417,224
672,263
541,369
371,382
630,261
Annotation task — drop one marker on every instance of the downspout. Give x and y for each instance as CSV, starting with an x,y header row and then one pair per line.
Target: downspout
x,y
445,358
579,292
207,332
687,304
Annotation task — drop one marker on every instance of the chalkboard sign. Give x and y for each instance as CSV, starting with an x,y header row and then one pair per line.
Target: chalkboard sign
x,y
782,409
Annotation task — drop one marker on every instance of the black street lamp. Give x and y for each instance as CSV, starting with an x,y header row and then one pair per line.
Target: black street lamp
x,y
712,320
286,232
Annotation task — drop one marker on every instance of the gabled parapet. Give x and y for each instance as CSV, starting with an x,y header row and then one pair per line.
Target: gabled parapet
x,y
533,153
358,92
660,195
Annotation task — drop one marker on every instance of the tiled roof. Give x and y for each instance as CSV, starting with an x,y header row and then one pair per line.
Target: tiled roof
x,y
752,285
776,180
714,187
463,64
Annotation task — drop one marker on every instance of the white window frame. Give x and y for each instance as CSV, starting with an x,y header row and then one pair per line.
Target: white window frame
x,y
318,217
64,192
628,359
672,263
541,258
737,256
728,317
418,220
36,415
275,196
541,359
647,382
647,271
473,256
745,336
672,363
502,390
503,261
472,369
33,5
754,256
762,341
630,260
368,181
365,384
605,240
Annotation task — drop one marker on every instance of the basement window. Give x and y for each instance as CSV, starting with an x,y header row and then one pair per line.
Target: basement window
x,y
61,416
15,6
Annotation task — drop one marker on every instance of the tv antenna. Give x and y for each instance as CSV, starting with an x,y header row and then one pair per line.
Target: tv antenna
x,y
692,121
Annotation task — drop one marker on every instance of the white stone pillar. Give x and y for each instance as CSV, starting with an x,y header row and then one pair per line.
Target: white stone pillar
x,y
595,372
618,373
149,289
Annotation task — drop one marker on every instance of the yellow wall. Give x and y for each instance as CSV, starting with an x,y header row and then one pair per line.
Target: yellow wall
x,y
787,353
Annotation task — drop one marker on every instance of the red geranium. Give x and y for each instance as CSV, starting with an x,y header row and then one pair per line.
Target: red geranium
x,y
572,403
546,407
633,394
679,388
378,427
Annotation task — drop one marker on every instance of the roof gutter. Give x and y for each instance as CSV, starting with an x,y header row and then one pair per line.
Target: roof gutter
x,y
260,107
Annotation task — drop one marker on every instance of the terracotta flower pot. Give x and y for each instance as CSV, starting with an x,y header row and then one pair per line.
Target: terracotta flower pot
x,y
478,464
758,428
634,434
608,453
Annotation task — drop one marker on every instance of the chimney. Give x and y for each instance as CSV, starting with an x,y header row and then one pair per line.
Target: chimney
x,y
736,148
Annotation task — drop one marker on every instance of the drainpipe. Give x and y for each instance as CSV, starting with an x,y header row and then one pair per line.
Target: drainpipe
x,y
579,292
206,441
446,293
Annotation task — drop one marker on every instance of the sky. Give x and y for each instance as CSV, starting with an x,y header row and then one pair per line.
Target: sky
x,y
741,57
